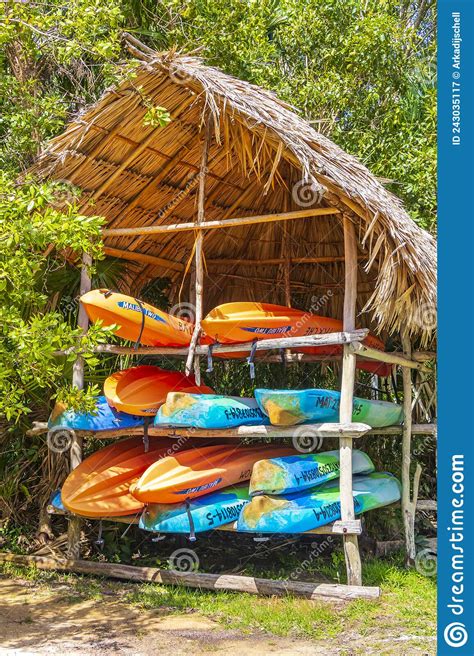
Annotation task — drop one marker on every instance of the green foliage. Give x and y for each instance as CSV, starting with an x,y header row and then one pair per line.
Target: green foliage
x,y
33,216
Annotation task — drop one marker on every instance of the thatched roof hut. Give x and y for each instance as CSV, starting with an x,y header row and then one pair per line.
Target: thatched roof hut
x,y
263,159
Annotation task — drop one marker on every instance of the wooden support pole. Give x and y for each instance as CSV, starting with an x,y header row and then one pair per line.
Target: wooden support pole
x,y
199,257
351,545
249,584
223,223
408,501
74,530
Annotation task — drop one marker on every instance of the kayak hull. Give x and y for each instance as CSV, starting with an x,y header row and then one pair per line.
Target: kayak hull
x,y
232,323
198,471
142,390
106,418
307,510
303,471
99,486
207,512
136,320
291,407
211,411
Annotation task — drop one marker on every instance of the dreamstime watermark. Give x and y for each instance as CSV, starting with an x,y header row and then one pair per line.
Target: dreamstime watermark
x,y
184,311
426,562
455,634
307,192
184,560
426,316
59,439
179,75
306,440
317,549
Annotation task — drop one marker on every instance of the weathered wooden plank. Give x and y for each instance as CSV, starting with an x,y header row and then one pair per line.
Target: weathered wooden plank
x,y
353,527
230,582
223,223
427,504
40,427
330,339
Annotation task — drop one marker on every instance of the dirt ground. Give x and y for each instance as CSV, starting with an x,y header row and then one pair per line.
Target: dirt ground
x,y
37,619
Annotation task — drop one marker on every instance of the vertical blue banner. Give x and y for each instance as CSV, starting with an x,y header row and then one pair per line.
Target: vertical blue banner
x,y
456,322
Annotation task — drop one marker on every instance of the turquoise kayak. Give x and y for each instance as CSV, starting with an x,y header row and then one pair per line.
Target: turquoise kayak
x,y
198,515
106,418
209,411
303,511
289,407
294,473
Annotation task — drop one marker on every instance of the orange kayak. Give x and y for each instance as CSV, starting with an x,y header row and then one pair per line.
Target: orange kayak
x,y
142,390
136,321
232,323
99,486
201,470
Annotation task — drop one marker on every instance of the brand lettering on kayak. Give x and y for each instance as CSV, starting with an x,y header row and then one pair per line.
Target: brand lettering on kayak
x,y
245,475
324,401
225,514
243,413
268,331
328,511
134,307
200,488
319,471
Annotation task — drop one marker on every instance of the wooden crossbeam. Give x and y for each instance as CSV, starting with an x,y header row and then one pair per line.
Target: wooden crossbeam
x,y
225,223
278,260
390,358
134,256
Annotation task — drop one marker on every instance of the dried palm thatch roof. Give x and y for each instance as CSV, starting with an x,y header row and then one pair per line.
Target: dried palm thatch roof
x,y
263,159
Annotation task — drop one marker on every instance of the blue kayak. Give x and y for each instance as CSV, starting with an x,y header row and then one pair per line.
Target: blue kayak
x,y
212,411
206,513
290,407
303,511
106,418
299,472
56,503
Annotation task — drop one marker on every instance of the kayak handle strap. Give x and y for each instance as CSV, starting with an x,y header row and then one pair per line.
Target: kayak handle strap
x,y
251,358
142,310
146,439
210,364
192,533
100,540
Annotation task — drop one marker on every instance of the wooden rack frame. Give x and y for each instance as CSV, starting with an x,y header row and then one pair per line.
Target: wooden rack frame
x,y
350,338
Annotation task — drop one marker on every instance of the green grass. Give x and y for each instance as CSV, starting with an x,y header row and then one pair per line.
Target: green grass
x,y
407,605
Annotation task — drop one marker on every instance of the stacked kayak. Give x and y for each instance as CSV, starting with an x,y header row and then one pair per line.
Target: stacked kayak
x,y
195,472
211,411
142,390
100,485
135,320
290,407
104,418
309,509
233,323
202,514
299,472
